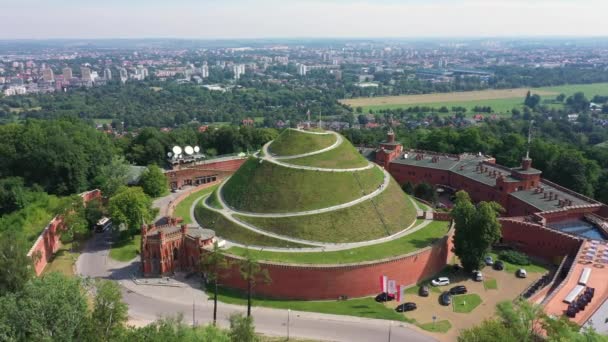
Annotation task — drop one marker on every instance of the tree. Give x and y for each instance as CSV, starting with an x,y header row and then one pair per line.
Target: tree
x,y
408,188
112,176
15,266
153,181
110,313
212,263
94,211
252,272
132,207
242,328
50,308
477,228
532,100
426,192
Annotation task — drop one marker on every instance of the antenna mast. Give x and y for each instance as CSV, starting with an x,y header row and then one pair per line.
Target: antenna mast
x,y
529,139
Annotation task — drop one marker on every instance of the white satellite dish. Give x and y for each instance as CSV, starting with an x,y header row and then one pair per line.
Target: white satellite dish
x,y
189,150
169,154
197,149
177,150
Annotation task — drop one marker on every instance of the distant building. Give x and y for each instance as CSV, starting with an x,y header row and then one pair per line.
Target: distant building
x,y
238,70
48,75
67,74
107,74
205,71
124,75
85,74
302,69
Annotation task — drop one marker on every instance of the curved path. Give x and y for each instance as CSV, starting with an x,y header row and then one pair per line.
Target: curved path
x,y
318,246
339,140
378,191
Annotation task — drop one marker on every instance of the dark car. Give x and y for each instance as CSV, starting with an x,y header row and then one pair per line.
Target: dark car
x,y
499,265
409,306
424,291
445,298
457,290
384,297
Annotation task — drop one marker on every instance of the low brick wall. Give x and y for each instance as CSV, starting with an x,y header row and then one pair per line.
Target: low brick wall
x,y
168,212
310,282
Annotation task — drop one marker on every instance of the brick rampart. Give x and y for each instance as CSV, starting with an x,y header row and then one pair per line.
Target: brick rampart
x,y
309,282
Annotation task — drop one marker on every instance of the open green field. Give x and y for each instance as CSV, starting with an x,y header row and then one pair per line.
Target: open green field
x,y
292,142
360,307
264,187
404,245
102,121
501,100
183,208
344,156
466,303
389,213
230,231
126,249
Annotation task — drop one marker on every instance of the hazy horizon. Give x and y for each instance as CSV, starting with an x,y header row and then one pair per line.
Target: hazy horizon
x,y
310,19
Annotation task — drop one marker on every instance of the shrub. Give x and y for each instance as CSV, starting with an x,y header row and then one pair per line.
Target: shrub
x,y
514,257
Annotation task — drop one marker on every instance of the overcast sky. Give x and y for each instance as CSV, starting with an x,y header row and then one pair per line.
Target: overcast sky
x,y
300,18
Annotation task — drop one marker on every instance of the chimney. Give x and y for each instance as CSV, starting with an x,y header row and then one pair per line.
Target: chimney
x,y
526,163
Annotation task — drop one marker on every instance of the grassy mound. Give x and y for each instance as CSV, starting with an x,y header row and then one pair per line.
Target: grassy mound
x,y
265,187
228,230
403,245
386,214
292,142
344,156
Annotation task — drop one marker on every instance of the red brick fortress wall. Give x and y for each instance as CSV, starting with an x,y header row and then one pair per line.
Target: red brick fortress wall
x,y
310,282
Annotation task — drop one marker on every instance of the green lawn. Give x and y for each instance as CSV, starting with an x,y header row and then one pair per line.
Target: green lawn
x,y
230,231
264,187
102,121
490,284
361,307
183,208
292,142
423,205
466,303
504,106
63,261
406,244
126,249
438,327
533,267
213,201
386,214
344,156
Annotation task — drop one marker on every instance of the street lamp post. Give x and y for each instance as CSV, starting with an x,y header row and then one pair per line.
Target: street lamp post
x,y
390,325
288,314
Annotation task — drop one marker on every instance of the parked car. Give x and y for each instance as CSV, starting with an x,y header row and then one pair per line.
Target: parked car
x,y
441,281
457,290
423,291
384,297
489,261
445,298
521,273
499,265
477,275
409,306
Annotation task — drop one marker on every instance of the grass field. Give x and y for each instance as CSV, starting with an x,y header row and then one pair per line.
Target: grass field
x,y
360,307
183,208
126,249
230,231
360,222
102,121
501,100
466,303
63,261
533,267
342,157
292,142
438,327
213,201
490,284
406,244
265,187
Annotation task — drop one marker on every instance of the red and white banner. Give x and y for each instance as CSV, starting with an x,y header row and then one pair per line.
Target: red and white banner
x,y
401,293
392,287
383,285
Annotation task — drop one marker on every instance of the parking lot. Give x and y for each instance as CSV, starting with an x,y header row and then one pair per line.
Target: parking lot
x,y
508,288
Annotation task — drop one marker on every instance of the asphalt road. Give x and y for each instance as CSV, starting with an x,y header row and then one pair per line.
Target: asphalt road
x,y
148,303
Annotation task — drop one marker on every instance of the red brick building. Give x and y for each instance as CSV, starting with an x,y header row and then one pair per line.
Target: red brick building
x,y
196,170
172,247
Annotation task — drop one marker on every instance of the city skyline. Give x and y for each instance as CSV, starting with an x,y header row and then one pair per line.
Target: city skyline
x,y
238,19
